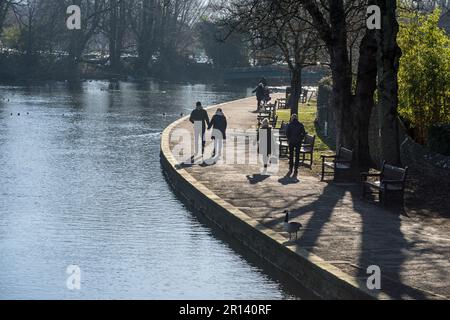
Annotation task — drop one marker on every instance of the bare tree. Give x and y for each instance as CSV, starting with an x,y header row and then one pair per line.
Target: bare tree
x,y
29,15
93,12
5,6
331,18
340,24
163,27
389,54
144,18
116,29
282,31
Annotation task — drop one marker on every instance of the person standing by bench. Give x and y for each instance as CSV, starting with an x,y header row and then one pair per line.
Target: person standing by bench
x,y
295,133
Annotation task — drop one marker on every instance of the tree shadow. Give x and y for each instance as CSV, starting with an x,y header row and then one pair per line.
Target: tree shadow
x,y
381,240
383,244
322,210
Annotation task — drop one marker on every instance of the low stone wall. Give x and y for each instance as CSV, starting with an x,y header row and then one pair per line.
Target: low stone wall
x,y
326,123
424,162
428,179
325,115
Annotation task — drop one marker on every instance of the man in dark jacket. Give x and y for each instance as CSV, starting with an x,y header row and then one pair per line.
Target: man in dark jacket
x,y
259,95
200,119
295,132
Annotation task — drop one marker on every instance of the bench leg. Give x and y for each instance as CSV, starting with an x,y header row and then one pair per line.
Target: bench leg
x,y
323,169
383,198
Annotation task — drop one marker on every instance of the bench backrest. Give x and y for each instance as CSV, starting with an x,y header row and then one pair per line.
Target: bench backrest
x,y
393,173
309,140
269,106
345,154
281,103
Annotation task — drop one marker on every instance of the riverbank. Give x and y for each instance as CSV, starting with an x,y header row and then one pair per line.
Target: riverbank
x,y
342,235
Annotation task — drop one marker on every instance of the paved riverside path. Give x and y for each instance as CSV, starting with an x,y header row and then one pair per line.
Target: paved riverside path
x,y
412,252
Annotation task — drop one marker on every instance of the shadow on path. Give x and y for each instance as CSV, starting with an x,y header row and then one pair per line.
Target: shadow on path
x,y
257,178
287,180
381,241
383,244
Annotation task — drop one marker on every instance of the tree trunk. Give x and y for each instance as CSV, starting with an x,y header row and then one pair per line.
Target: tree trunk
x,y
117,25
364,99
143,59
389,55
296,89
342,75
75,51
4,6
342,97
146,38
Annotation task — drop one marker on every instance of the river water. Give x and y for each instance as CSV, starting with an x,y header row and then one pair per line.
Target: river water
x,y
81,184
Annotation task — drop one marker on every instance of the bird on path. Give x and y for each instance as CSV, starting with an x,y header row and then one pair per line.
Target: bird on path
x,y
291,227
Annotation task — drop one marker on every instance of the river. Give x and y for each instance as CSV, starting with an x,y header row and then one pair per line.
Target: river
x,y
81,185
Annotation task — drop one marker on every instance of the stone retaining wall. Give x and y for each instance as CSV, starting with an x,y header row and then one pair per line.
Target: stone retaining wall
x,y
325,114
311,272
425,162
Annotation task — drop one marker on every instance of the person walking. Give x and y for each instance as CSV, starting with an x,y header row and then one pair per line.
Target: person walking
x,y
260,92
199,117
267,96
295,133
219,125
263,81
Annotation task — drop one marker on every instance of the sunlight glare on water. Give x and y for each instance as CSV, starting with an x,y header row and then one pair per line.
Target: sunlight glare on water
x,y
81,184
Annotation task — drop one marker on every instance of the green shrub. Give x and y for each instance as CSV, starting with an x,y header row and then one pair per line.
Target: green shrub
x,y
424,75
439,139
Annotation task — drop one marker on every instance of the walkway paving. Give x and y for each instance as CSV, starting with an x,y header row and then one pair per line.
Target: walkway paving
x,y
413,253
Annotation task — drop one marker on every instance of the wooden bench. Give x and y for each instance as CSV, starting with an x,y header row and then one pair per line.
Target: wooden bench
x,y
389,183
272,107
282,103
341,165
261,117
308,149
268,111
